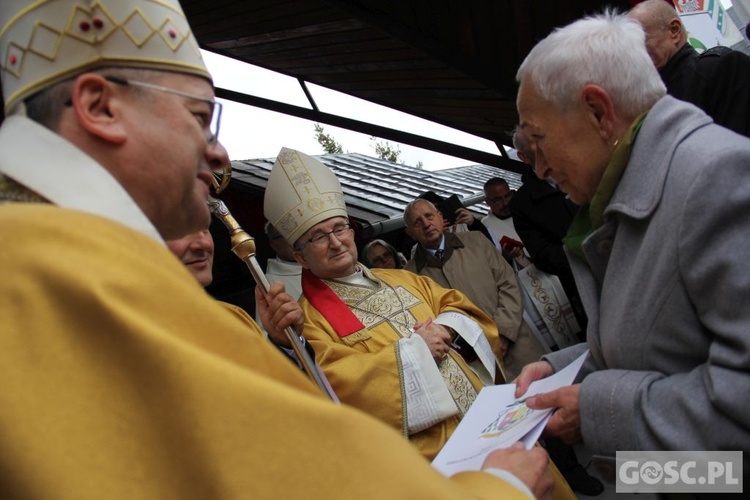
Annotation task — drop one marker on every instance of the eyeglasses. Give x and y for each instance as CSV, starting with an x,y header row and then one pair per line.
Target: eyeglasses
x,y
507,197
209,121
321,240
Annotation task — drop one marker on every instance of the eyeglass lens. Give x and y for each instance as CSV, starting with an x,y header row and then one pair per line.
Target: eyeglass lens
x,y
342,233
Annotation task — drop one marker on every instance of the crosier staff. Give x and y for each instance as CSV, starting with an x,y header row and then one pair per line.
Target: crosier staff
x,y
243,246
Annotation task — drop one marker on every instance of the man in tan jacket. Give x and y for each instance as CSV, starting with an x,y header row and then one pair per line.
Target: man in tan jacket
x,y
473,266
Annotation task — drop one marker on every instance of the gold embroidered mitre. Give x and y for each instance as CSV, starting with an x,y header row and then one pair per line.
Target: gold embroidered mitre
x,y
43,42
300,193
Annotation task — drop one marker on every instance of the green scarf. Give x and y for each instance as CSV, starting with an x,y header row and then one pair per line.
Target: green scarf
x,y
591,216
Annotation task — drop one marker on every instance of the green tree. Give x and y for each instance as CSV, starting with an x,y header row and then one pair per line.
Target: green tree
x,y
383,149
329,144
386,151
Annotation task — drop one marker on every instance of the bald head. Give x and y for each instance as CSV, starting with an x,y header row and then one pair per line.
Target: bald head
x,y
665,34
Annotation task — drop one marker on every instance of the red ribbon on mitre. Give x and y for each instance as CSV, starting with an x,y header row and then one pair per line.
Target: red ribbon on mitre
x,y
333,309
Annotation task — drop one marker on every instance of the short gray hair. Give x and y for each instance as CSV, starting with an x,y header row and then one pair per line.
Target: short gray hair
x,y
412,204
46,106
607,50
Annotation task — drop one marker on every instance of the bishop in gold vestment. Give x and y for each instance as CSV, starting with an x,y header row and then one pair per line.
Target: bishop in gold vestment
x,y
390,342
383,370
123,379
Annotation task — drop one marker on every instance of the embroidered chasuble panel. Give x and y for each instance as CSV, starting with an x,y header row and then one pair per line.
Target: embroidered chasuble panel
x,y
386,304
374,306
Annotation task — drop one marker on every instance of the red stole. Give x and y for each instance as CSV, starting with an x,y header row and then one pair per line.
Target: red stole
x,y
333,309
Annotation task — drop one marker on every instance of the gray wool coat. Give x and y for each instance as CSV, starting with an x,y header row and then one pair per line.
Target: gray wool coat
x,y
667,293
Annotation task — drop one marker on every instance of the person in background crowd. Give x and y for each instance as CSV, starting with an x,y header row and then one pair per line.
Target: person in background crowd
x,y
196,252
281,269
457,218
499,223
380,253
717,81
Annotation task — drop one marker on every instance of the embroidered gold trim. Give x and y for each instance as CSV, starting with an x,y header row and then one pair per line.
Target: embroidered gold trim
x,y
356,337
12,191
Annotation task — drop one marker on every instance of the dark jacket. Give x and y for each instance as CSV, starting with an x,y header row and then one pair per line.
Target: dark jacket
x,y
541,215
717,81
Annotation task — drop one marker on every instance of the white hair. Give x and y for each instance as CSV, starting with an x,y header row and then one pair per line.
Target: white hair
x,y
410,206
607,50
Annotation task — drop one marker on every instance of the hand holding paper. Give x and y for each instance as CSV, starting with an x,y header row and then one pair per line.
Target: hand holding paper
x,y
530,373
565,423
498,419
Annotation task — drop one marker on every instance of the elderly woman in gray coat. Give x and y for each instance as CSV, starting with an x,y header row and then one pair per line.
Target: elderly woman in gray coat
x,y
659,247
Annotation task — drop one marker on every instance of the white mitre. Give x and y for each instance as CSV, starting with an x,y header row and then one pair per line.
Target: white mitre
x,y
46,42
300,193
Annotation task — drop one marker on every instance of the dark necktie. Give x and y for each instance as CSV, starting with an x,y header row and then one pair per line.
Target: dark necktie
x,y
439,254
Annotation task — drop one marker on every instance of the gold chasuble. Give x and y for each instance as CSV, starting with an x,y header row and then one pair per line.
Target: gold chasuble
x,y
365,368
123,379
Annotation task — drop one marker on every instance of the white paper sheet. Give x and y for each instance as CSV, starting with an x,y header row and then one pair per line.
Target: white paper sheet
x,y
497,420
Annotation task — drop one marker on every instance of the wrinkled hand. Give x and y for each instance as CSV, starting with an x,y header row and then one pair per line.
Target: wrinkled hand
x,y
565,422
279,310
463,216
530,466
530,373
437,337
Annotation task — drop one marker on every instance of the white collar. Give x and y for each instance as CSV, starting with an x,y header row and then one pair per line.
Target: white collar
x,y
49,165
441,247
283,267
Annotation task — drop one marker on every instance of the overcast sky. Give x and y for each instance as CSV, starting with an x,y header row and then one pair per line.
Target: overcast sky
x,y
249,132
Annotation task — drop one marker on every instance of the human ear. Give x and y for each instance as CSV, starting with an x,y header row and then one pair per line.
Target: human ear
x,y
300,258
599,110
675,29
98,109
